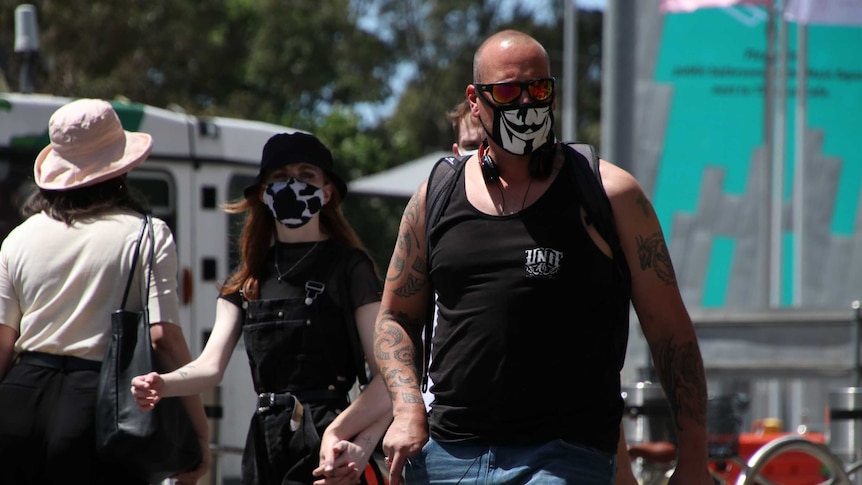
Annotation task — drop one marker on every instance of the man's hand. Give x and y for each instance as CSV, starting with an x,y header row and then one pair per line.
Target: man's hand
x,y
406,436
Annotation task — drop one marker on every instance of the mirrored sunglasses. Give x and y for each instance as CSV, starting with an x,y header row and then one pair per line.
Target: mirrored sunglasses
x,y
509,92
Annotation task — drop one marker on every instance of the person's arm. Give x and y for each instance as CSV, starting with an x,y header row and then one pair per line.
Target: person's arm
x,y
171,351
664,320
344,451
354,433
201,374
8,336
625,474
398,337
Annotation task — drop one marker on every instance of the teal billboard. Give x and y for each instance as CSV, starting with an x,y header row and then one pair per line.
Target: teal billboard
x,y
714,174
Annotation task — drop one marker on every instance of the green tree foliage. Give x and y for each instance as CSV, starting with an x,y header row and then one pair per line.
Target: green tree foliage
x,y
302,63
452,32
272,60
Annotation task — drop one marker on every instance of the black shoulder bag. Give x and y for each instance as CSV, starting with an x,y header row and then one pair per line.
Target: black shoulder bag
x,y
152,445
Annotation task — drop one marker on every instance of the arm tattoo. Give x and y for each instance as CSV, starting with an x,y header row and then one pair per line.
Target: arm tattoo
x,y
411,212
680,369
411,398
411,287
653,253
393,345
183,372
402,250
644,205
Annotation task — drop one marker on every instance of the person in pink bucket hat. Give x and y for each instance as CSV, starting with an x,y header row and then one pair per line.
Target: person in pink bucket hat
x,y
62,273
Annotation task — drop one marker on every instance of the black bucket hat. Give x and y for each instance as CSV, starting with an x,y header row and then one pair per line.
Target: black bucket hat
x,y
286,148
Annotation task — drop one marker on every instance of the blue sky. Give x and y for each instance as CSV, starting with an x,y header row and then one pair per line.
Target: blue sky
x,y
591,4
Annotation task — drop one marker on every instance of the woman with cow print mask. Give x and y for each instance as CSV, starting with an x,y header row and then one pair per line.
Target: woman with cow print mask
x,y
304,299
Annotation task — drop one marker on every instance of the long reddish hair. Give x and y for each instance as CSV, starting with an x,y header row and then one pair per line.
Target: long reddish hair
x,y
258,234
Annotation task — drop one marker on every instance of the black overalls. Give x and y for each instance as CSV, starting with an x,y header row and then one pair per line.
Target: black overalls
x,y
299,352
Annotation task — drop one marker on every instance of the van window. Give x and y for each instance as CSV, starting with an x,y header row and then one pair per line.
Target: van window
x,y
160,191
16,183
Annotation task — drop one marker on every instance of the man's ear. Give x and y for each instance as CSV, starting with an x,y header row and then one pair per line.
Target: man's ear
x,y
472,98
455,149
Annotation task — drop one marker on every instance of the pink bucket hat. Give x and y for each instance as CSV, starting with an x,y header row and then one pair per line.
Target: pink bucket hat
x,y
88,146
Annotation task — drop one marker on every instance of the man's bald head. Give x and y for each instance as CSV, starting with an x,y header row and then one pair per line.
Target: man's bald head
x,y
497,45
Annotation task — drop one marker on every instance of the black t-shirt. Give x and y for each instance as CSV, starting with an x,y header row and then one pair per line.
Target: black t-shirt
x,y
364,286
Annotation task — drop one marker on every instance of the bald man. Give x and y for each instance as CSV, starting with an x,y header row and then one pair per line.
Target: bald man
x,y
532,307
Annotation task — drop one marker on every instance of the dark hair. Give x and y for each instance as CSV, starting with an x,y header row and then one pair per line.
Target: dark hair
x,y
84,202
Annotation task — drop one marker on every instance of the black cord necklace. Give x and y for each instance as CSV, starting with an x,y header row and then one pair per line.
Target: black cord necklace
x,y
278,272
503,198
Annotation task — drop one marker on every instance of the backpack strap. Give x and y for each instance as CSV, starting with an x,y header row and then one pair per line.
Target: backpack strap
x,y
438,190
583,163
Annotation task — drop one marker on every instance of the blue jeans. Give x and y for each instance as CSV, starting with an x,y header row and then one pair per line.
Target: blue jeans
x,y
556,462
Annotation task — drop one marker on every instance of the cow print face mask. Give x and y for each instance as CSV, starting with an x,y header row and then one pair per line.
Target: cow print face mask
x,y
293,203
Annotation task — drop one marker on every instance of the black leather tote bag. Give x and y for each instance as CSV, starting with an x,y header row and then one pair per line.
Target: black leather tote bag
x,y
153,445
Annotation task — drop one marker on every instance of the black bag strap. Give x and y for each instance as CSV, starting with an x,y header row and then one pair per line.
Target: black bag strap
x,y
583,164
438,191
147,223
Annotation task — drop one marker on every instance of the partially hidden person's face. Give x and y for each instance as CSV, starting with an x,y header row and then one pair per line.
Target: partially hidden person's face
x,y
296,193
470,136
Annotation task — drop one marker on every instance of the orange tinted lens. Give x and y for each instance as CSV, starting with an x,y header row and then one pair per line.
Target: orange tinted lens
x,y
505,93
541,90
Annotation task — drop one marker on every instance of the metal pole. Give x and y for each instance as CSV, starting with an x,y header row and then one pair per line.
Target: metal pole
x,y
26,44
857,331
570,71
765,232
618,75
799,171
778,162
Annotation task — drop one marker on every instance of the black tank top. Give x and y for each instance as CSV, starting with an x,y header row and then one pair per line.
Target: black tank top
x,y
532,326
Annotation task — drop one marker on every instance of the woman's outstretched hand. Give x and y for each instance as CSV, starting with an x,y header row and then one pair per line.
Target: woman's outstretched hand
x,y
146,390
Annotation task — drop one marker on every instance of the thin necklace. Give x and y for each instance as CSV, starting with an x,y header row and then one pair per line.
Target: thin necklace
x,y
503,198
278,272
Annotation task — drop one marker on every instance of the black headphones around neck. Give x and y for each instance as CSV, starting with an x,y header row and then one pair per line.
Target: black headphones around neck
x,y
541,164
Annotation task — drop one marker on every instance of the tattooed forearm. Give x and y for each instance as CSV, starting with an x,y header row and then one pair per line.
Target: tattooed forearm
x,y
653,253
412,398
680,369
396,355
389,335
184,371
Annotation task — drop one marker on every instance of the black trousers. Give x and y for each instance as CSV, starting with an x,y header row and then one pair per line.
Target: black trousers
x,y
47,429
